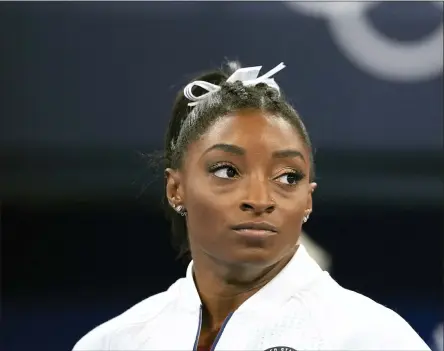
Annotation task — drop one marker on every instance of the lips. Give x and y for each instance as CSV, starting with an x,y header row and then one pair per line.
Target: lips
x,y
255,226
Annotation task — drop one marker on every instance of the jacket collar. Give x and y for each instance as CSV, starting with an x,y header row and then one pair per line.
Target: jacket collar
x,y
296,276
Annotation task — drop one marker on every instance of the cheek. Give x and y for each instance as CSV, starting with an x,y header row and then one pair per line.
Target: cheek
x,y
205,212
293,207
207,201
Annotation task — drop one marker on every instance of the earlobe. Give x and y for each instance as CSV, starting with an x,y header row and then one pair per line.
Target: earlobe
x,y
309,207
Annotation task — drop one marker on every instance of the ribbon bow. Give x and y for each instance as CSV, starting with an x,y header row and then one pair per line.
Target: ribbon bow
x,y
248,76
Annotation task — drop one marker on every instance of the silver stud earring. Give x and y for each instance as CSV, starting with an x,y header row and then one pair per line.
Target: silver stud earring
x,y
306,217
180,210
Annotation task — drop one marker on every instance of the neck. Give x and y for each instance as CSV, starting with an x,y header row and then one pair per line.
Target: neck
x,y
223,288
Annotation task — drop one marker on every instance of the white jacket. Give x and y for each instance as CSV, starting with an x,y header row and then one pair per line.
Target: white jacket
x,y
302,308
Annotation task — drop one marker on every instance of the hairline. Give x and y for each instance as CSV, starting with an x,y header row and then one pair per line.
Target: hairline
x,y
236,112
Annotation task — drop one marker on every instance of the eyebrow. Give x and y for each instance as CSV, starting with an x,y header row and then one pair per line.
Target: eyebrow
x,y
290,153
239,151
232,149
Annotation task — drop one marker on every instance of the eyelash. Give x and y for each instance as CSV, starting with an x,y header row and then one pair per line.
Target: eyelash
x,y
218,166
298,175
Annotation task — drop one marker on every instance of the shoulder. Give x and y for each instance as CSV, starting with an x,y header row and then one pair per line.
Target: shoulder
x,y
130,322
364,324
380,327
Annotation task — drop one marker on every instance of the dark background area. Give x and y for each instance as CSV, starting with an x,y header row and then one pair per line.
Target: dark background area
x,y
86,87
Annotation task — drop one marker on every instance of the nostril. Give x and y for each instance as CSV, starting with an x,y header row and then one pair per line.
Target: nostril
x,y
257,207
246,207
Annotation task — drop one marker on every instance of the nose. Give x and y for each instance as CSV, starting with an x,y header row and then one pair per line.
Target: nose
x,y
258,199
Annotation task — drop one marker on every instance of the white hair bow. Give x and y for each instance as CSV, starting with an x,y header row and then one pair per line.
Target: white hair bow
x,y
248,76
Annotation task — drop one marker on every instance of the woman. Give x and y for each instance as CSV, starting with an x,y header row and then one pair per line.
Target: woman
x,y
239,185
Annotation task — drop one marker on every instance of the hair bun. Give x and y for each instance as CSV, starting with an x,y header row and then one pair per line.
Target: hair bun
x,y
272,94
236,88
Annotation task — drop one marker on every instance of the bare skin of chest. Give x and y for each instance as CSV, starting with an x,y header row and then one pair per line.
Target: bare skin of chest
x,y
207,337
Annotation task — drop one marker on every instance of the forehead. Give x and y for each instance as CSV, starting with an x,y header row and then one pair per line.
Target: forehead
x,y
252,130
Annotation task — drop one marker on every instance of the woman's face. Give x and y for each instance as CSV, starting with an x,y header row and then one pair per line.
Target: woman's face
x,y
249,167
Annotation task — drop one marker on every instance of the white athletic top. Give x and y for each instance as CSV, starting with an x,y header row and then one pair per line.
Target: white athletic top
x,y
302,308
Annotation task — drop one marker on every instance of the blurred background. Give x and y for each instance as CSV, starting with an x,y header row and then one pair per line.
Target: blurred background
x,y
86,87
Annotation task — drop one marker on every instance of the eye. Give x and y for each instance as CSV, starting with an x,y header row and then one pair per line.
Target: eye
x,y
290,178
224,171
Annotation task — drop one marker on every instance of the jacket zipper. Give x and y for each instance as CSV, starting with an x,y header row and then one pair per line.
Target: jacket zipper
x,y
216,340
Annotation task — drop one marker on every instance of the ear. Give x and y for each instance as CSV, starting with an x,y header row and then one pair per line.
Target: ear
x,y
311,188
174,186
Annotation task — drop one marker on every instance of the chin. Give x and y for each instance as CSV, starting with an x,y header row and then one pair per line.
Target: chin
x,y
254,256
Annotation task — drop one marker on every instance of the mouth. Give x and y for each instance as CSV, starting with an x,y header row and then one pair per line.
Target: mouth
x,y
255,229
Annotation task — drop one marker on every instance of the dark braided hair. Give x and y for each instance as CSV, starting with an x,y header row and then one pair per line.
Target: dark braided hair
x,y
187,124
